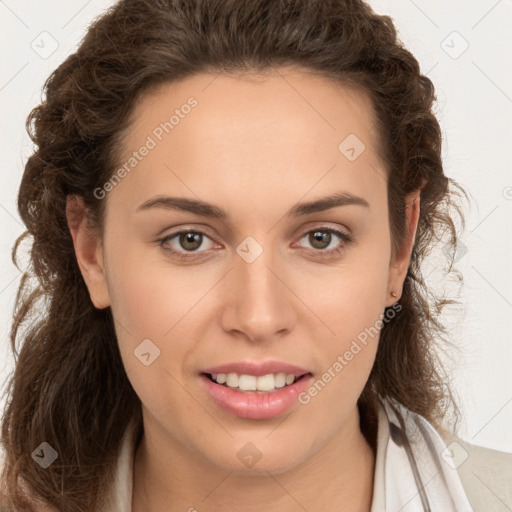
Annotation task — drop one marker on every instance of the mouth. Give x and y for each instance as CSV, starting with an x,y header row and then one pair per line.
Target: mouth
x,y
255,391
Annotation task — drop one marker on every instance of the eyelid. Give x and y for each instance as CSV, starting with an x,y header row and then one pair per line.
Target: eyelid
x,y
174,230
186,229
345,239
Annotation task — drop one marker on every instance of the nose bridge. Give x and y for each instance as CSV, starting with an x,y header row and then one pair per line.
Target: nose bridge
x,y
259,300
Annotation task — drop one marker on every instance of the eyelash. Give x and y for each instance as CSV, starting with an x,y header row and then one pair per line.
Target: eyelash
x,y
330,253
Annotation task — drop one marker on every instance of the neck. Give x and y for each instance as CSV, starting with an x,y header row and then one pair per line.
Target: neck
x,y
338,477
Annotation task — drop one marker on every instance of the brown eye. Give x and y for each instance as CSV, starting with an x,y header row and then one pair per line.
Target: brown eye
x,y
183,242
319,239
190,240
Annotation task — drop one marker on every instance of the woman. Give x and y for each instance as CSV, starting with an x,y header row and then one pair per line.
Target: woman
x,y
230,203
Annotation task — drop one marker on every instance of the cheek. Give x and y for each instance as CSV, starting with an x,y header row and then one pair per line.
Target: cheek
x,y
154,300
350,296
149,317
349,353
148,295
346,357
350,302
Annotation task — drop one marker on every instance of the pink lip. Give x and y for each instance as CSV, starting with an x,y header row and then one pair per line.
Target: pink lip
x,y
252,405
257,369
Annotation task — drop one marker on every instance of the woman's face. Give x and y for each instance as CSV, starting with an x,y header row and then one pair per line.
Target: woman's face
x,y
261,285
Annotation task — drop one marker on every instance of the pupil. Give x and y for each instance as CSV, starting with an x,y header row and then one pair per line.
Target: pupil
x,y
193,238
319,237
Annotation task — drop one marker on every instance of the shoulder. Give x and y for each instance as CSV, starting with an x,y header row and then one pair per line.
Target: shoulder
x,y
486,474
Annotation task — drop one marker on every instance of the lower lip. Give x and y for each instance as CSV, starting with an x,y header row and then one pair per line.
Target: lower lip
x,y
256,406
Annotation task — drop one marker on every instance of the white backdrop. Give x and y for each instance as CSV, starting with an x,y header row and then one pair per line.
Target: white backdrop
x,y
464,47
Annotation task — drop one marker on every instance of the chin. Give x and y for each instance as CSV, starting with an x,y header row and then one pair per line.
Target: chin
x,y
252,458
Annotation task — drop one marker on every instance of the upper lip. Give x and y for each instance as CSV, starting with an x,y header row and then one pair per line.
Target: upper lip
x,y
257,369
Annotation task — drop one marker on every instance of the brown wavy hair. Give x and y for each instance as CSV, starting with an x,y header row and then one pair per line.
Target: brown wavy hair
x,y
69,386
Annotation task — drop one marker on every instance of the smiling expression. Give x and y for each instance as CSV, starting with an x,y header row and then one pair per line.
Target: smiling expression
x,y
255,235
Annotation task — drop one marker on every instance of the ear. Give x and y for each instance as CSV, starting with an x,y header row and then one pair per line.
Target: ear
x,y
401,261
88,250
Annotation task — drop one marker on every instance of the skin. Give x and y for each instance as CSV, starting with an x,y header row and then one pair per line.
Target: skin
x,y
254,146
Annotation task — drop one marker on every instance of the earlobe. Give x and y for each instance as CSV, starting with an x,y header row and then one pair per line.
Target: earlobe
x,y
88,251
400,264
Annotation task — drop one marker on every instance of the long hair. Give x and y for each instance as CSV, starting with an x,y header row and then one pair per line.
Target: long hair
x,y
69,387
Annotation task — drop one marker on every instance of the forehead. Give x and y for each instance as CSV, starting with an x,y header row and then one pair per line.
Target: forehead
x,y
285,99
288,129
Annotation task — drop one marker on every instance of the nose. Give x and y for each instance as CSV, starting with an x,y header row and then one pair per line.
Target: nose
x,y
259,303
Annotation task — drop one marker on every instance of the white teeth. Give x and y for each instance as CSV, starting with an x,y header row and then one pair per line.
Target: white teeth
x,y
247,382
253,383
280,380
265,383
232,380
289,379
220,378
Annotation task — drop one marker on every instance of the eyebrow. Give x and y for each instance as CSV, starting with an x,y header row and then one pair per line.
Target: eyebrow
x,y
209,210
